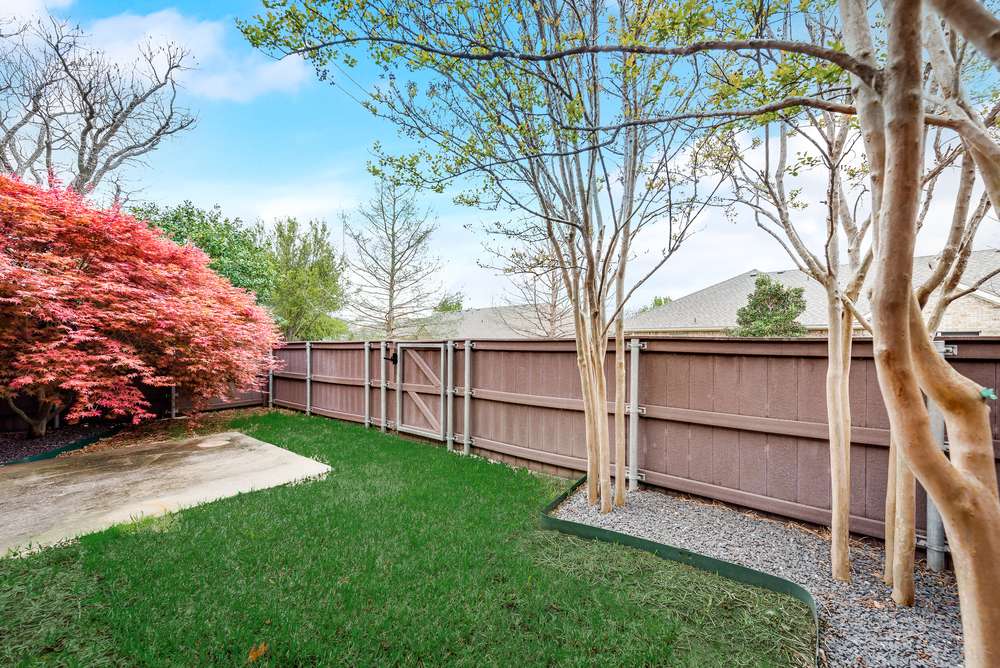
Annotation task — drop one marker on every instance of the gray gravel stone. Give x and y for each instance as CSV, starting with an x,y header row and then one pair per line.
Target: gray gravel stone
x,y
860,625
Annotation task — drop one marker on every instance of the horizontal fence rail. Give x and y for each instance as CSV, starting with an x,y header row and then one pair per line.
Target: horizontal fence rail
x,y
740,421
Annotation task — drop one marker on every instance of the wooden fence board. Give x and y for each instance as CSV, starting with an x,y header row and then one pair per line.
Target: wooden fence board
x,y
741,421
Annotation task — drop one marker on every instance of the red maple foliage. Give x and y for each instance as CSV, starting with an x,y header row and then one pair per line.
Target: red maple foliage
x,y
93,302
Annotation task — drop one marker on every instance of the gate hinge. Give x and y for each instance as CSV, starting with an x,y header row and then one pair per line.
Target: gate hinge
x,y
640,476
950,349
641,345
628,410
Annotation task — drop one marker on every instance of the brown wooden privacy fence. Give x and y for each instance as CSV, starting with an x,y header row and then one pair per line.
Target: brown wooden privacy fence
x,y
741,421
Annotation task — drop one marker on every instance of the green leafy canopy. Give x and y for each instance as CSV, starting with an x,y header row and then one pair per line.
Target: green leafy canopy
x,y
233,248
771,310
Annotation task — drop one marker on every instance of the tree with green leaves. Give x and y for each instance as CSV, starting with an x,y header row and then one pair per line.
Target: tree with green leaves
x,y
234,248
656,303
451,301
309,284
771,310
501,128
889,62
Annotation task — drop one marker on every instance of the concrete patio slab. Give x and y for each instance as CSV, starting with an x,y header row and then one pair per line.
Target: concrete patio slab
x,y
49,501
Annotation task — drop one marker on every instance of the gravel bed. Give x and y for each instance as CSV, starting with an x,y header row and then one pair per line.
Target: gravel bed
x,y
16,445
860,625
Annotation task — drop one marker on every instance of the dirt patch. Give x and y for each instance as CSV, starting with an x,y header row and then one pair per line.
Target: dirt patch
x,y
155,431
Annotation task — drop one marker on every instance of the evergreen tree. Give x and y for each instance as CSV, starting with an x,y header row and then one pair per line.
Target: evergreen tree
x,y
771,310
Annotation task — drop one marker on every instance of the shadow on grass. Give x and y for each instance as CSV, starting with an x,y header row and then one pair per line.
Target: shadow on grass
x,y
404,555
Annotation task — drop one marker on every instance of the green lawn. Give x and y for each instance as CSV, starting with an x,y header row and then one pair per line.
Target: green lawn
x,y
404,555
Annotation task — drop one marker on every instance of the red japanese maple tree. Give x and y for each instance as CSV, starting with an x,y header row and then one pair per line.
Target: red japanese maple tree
x,y
94,302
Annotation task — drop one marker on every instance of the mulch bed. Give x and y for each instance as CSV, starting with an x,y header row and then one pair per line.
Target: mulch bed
x,y
16,445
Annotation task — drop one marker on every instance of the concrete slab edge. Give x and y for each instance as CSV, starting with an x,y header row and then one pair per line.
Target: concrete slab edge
x,y
735,572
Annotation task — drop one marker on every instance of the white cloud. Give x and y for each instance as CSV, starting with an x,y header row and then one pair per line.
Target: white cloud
x,y
223,71
29,8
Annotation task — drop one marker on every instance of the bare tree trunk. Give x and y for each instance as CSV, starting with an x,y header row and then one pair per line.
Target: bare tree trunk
x,y
600,402
620,482
890,514
839,418
38,424
964,488
593,479
905,534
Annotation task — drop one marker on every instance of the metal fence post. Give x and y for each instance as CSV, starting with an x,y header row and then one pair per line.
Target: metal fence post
x,y
443,409
382,382
469,345
270,384
309,377
173,401
399,387
450,428
633,418
936,556
368,384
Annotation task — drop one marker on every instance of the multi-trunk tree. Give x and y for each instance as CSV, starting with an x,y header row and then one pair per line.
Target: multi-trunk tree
x,y
94,302
888,99
582,194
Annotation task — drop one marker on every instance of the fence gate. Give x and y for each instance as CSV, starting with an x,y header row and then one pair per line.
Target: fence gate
x,y
420,392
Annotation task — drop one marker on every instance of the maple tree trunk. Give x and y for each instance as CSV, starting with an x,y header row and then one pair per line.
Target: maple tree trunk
x,y
38,424
890,514
839,418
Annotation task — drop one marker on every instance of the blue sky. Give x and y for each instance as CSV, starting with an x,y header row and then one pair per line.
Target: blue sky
x,y
274,141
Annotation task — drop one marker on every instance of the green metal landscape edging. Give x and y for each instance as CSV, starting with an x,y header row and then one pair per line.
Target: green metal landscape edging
x,y
723,568
75,445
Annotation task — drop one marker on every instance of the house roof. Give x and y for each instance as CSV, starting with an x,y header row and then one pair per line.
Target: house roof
x,y
496,322
715,307
478,323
